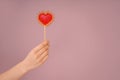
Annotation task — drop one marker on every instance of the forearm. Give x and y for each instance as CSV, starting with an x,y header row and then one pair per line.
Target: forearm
x,y
14,73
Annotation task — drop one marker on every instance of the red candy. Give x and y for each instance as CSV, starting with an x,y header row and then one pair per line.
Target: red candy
x,y
45,18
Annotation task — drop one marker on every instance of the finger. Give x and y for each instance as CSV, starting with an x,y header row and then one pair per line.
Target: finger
x,y
40,52
44,59
40,57
40,46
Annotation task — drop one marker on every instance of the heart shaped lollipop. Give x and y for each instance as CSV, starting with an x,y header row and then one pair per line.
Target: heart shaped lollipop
x,y
45,18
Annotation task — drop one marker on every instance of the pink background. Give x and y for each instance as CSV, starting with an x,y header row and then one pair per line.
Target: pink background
x,y
84,38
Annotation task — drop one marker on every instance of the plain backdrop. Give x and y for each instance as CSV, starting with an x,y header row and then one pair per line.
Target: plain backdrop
x,y
84,38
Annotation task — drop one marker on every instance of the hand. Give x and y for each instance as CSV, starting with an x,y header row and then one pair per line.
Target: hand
x,y
36,56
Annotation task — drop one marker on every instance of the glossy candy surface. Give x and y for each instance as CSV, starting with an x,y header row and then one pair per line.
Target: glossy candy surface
x,y
45,18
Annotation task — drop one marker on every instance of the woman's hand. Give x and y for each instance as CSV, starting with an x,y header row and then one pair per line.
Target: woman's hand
x,y
36,57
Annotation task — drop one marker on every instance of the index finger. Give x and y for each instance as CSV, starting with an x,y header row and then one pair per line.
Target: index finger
x,y
40,46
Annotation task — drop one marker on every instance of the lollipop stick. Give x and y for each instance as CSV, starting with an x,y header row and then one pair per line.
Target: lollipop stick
x,y
44,32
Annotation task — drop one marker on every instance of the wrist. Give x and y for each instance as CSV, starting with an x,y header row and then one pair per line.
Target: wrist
x,y
23,67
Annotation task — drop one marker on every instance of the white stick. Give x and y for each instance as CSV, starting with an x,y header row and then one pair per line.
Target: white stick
x,y
44,32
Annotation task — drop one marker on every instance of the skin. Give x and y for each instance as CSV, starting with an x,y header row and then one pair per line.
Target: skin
x,y
35,58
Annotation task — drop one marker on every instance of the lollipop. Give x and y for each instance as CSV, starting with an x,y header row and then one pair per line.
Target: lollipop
x,y
45,18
